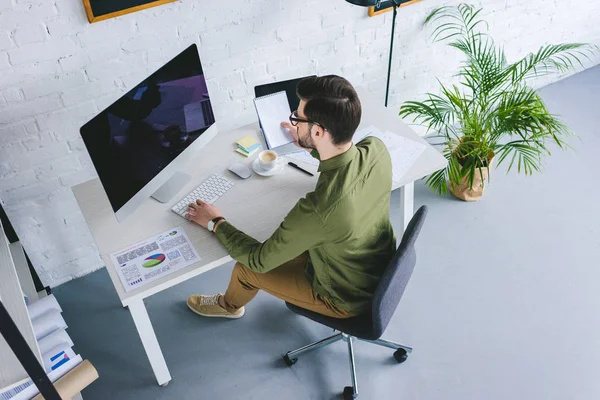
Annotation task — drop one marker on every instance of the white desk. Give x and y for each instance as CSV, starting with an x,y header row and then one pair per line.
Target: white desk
x,y
270,198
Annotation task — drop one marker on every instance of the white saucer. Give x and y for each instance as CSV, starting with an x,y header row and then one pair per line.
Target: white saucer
x,y
259,170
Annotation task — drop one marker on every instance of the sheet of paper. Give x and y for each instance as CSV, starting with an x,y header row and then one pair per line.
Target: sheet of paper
x,y
54,339
303,156
42,306
404,152
48,323
272,110
154,258
57,357
11,393
364,132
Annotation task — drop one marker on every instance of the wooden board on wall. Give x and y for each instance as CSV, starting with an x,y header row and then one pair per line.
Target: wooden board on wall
x,y
100,10
386,6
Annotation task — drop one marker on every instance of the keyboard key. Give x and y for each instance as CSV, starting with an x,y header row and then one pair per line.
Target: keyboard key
x,y
208,191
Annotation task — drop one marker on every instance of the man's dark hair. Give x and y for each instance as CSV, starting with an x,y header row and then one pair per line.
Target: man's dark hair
x,y
332,102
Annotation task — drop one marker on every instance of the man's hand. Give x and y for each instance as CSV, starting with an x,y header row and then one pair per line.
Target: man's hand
x,y
294,131
202,213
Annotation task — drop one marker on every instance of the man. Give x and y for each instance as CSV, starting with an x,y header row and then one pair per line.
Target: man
x,y
332,248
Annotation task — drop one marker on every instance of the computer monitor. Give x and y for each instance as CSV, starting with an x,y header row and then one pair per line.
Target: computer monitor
x,y
141,141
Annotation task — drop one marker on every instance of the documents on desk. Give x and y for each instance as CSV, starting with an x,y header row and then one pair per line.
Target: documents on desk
x,y
404,152
303,156
154,258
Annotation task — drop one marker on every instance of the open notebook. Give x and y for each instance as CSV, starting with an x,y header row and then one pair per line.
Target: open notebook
x,y
272,110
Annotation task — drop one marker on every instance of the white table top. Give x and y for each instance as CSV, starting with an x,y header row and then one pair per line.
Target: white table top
x,y
256,205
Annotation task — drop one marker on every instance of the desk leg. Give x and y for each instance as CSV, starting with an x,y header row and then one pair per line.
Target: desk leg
x,y
146,332
407,203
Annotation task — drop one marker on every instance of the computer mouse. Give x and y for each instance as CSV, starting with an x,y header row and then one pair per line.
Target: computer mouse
x,y
240,170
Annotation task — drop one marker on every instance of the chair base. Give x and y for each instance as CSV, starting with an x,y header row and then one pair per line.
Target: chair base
x,y
350,392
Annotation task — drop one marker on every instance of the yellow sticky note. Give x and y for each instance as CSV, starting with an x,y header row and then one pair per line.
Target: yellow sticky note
x,y
242,152
247,141
245,153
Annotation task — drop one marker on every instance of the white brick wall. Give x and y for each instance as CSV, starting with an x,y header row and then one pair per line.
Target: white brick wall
x,y
57,71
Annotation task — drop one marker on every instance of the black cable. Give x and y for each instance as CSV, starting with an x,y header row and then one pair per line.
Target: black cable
x,y
387,86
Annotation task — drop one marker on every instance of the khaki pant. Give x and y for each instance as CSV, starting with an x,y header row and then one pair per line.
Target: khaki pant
x,y
287,282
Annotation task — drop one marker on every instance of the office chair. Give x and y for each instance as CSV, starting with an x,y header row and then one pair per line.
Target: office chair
x,y
370,326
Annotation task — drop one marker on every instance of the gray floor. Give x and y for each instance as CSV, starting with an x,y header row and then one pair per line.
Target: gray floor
x,y
503,303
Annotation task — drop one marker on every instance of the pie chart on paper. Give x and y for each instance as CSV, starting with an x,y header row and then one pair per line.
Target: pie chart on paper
x,y
153,260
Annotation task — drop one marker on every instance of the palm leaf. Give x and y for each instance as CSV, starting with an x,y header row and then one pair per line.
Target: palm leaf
x,y
492,110
527,156
552,58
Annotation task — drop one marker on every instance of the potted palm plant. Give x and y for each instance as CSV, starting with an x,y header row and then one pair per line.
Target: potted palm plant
x,y
492,115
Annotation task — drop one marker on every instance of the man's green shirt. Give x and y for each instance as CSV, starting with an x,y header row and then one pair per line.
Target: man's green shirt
x,y
344,225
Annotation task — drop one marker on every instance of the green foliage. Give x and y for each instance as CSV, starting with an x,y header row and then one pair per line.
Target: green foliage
x,y
492,112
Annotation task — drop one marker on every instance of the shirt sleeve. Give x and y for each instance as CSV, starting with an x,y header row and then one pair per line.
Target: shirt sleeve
x,y
301,229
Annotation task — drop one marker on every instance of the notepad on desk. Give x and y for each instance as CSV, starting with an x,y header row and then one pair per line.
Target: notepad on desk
x,y
272,110
247,146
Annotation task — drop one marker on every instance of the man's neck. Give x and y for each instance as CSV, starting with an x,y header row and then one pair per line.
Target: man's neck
x,y
333,151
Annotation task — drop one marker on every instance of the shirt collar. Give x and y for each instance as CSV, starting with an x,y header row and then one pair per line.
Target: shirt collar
x,y
339,160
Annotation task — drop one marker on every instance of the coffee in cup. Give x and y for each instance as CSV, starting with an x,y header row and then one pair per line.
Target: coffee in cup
x,y
267,159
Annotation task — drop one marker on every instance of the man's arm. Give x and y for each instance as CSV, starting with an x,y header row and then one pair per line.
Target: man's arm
x,y
300,230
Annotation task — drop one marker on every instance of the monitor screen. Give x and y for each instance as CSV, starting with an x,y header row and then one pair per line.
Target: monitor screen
x,y
137,136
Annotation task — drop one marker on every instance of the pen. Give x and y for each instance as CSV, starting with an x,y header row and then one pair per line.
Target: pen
x,y
291,164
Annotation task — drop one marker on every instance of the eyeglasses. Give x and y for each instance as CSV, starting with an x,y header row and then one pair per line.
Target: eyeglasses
x,y
295,120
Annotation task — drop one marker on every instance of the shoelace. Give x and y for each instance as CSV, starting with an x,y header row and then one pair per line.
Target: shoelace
x,y
210,300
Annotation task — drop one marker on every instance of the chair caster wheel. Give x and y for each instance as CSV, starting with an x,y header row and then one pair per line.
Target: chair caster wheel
x,y
289,361
400,355
349,393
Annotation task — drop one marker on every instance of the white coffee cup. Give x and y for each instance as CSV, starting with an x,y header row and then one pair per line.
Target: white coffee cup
x,y
268,159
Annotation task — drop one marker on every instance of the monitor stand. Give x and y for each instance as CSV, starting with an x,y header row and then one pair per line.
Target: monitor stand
x,y
172,186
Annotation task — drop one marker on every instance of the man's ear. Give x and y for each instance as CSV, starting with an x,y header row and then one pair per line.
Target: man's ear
x,y
319,132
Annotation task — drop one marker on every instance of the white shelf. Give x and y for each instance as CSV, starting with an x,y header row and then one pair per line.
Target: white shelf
x,y
15,282
11,295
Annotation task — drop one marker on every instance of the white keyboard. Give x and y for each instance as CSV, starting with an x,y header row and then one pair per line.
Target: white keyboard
x,y
209,191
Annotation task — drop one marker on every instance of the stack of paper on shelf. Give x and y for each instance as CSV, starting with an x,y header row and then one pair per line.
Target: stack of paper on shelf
x,y
54,343
247,146
49,328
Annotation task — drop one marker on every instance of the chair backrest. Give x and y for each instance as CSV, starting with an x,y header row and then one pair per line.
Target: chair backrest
x,y
396,276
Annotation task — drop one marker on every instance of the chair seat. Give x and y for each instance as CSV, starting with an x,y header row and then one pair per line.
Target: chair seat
x,y
360,326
